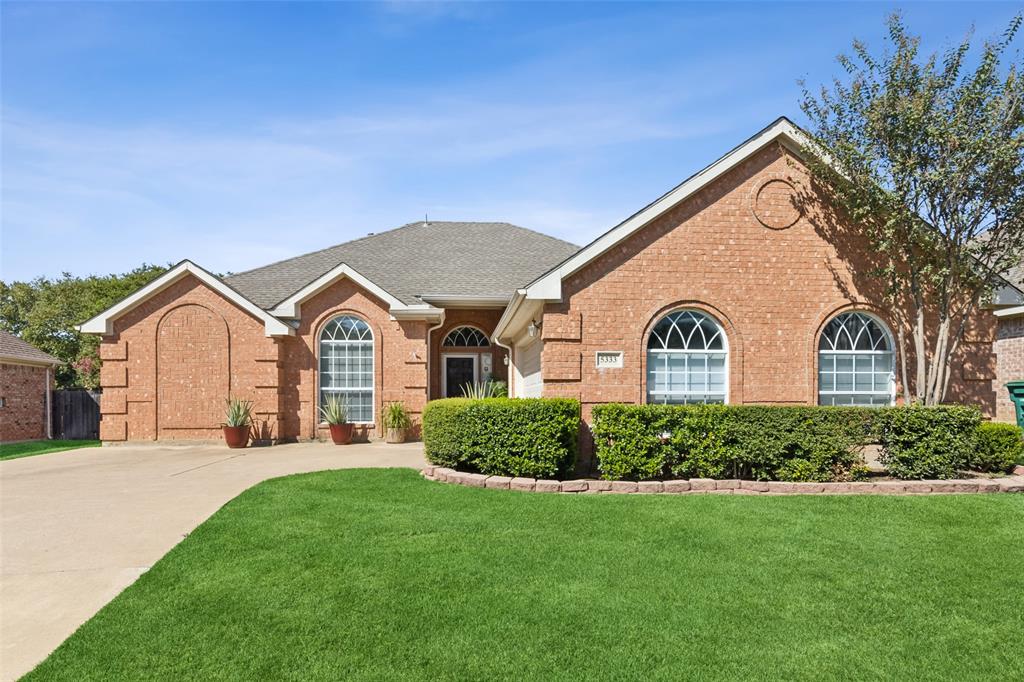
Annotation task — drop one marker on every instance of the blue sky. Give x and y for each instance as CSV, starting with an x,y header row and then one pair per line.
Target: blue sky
x,y
237,134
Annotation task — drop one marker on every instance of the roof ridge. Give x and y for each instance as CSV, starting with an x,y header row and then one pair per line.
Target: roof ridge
x,y
542,234
324,250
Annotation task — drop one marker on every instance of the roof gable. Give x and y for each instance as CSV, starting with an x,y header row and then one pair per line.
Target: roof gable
x,y
549,285
104,322
291,306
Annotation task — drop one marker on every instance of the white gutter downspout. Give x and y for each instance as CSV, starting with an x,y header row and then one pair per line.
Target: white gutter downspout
x,y
430,353
508,368
517,300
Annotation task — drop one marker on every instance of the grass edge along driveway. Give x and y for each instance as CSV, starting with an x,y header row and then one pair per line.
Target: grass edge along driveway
x,y
42,447
371,574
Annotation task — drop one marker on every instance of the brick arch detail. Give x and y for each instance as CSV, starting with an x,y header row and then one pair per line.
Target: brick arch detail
x,y
192,371
734,343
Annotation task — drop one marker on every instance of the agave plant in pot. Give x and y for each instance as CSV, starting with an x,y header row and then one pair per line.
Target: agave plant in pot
x,y
237,422
335,414
396,422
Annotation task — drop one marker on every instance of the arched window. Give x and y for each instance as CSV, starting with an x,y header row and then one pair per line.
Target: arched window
x,y
346,366
687,357
466,337
856,362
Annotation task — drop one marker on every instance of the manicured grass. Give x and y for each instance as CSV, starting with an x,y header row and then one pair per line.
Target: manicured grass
x,y
41,447
379,574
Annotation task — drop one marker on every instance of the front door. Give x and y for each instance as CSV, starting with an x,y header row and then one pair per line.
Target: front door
x,y
459,371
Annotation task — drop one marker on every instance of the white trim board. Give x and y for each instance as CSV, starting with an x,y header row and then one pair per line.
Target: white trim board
x,y
291,307
1015,311
104,322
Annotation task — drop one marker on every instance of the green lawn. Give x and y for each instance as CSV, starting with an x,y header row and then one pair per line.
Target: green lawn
x,y
41,447
379,574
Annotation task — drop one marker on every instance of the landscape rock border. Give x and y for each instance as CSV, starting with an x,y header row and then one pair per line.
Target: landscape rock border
x,y
1008,484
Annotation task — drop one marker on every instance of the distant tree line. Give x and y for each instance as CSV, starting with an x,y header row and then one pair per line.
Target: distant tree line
x,y
46,313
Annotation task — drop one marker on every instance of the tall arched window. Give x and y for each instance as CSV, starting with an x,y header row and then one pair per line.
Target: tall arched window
x,y
856,362
687,357
466,337
346,366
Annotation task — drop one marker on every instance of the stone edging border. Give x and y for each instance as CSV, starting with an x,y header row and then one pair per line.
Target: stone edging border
x,y
1008,484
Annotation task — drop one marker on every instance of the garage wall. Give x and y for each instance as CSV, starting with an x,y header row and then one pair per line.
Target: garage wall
x,y
529,383
174,359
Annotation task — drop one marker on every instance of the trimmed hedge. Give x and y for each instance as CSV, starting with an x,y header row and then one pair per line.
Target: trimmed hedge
x,y
999,448
927,442
730,441
792,443
534,437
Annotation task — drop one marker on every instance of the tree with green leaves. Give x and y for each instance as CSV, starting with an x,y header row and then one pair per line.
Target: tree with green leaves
x,y
925,156
46,313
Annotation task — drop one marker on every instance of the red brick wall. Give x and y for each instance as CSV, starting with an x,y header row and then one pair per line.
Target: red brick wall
x,y
400,360
772,274
1010,364
484,320
23,416
172,361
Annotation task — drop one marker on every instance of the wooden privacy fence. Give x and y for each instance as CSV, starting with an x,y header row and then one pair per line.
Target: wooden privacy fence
x,y
76,415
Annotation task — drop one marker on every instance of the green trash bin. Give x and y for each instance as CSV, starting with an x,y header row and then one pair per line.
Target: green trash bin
x,y
1016,389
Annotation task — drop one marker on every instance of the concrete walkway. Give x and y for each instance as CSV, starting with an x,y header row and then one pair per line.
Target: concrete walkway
x,y
77,527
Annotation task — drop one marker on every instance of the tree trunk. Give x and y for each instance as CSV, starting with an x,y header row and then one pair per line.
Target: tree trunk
x,y
939,364
920,388
901,339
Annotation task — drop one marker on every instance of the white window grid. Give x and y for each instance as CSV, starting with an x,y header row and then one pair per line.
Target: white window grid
x,y
856,362
701,375
466,337
346,366
687,360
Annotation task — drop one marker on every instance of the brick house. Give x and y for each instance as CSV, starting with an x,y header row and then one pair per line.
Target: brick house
x,y
739,285
1009,350
26,382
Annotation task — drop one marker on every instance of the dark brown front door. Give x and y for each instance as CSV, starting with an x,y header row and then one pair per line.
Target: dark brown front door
x,y
458,372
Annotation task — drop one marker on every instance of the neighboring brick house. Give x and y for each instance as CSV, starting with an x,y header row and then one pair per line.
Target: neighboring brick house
x,y
26,382
1009,349
739,285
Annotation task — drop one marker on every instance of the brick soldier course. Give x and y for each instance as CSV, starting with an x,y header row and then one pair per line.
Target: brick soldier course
x,y
744,242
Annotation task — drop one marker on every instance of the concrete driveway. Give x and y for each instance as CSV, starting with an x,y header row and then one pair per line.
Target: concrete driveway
x,y
77,527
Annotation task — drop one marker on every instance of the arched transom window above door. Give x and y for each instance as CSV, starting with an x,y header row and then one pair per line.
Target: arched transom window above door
x,y
687,359
466,337
856,362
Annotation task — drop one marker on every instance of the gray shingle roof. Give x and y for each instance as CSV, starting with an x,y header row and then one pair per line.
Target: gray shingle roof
x,y
13,348
450,258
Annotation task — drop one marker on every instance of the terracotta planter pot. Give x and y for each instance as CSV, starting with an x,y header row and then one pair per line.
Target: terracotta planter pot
x,y
236,436
341,434
394,435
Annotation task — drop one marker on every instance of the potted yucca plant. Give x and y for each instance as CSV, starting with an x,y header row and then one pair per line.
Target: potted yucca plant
x,y
396,422
237,422
335,414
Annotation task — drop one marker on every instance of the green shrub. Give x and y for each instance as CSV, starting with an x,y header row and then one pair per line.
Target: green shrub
x,y
927,442
738,441
535,437
999,448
